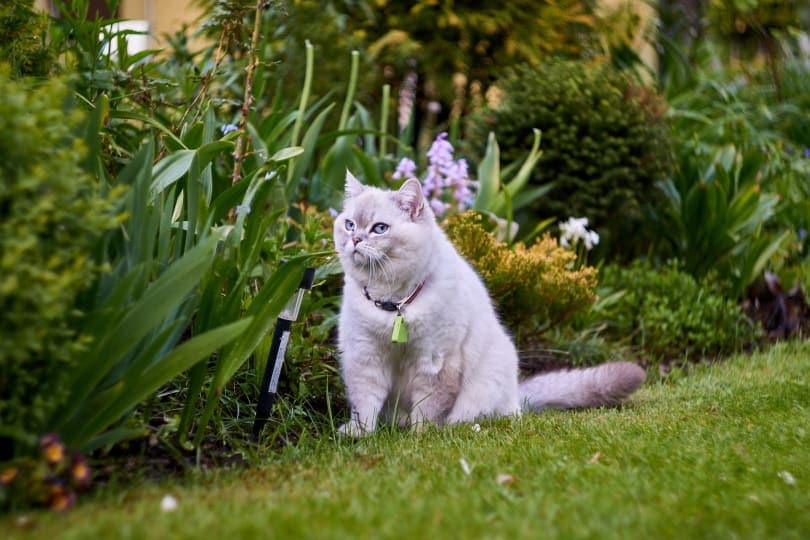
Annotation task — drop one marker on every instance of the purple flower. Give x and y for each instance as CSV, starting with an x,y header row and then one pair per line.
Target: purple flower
x,y
228,128
439,207
405,169
407,97
446,179
440,154
807,153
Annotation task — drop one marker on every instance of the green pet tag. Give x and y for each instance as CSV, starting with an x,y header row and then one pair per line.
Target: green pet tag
x,y
400,334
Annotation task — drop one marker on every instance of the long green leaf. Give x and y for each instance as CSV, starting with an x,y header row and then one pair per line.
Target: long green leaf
x,y
310,143
514,187
489,176
140,318
263,311
138,386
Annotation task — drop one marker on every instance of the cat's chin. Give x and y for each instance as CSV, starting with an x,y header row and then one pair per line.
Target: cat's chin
x,y
359,259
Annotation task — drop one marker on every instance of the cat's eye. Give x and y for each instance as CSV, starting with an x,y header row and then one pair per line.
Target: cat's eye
x,y
379,228
349,225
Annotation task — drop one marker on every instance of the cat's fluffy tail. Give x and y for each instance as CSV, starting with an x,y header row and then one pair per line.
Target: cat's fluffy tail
x,y
604,385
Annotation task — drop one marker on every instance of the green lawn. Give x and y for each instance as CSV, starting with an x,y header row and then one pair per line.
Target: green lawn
x,y
722,453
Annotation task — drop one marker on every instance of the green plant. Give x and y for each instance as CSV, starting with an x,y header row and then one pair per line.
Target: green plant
x,y
52,216
669,314
718,211
605,143
139,317
193,271
533,287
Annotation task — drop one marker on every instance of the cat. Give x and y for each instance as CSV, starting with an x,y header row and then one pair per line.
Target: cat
x,y
458,363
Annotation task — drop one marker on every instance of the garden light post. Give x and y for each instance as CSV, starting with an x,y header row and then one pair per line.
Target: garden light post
x,y
281,337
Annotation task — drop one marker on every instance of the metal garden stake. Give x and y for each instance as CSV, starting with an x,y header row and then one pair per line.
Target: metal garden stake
x,y
281,337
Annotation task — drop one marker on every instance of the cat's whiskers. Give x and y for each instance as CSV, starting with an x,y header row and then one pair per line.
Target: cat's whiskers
x,y
378,267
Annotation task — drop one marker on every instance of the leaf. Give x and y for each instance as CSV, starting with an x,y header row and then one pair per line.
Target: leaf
x,y
169,170
309,143
287,153
177,164
514,187
263,311
488,175
138,386
162,297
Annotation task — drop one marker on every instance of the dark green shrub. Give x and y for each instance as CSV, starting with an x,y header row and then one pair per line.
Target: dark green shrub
x,y
669,314
50,217
605,143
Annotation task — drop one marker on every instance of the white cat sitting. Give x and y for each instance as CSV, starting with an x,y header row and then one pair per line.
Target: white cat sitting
x,y
457,362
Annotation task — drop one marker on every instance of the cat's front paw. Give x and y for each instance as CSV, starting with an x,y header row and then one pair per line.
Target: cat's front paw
x,y
354,429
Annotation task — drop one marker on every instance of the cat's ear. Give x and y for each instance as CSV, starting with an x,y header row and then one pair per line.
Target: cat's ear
x,y
353,186
410,198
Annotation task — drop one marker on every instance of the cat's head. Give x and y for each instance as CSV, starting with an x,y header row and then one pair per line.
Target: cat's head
x,y
382,234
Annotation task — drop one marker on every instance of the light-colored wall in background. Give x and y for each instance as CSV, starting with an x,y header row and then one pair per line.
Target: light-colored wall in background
x,y
164,16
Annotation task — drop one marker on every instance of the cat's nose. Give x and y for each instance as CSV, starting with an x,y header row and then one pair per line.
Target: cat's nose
x,y
355,240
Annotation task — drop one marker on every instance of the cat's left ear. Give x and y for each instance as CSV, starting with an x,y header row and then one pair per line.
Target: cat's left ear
x,y
353,186
410,198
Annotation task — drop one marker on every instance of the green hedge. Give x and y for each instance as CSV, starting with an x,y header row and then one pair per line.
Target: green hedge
x,y
670,315
605,142
50,217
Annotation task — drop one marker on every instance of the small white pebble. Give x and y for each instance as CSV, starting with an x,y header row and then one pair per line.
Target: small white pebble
x,y
168,503
787,478
476,427
507,479
464,466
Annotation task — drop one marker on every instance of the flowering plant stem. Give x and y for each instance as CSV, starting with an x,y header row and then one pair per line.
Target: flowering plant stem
x,y
302,104
384,118
347,105
241,142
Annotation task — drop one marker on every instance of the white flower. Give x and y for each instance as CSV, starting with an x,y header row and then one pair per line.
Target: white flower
x,y
476,427
168,503
576,230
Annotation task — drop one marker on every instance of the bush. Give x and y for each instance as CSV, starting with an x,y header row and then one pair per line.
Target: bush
x,y
605,142
534,287
50,217
22,42
669,314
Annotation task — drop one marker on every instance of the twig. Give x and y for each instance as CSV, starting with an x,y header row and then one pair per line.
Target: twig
x,y
247,100
207,79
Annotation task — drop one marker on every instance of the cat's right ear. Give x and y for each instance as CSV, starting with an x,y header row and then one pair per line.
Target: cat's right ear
x,y
410,198
353,186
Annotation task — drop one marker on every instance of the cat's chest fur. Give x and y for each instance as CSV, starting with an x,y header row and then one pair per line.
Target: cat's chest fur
x,y
434,321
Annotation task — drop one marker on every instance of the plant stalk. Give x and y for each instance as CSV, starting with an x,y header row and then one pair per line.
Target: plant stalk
x,y
347,105
247,101
386,97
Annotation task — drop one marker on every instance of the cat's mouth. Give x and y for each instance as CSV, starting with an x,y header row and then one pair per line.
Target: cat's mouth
x,y
359,259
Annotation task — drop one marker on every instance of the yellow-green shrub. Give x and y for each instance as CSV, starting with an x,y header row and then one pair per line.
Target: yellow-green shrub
x,y
533,287
50,218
